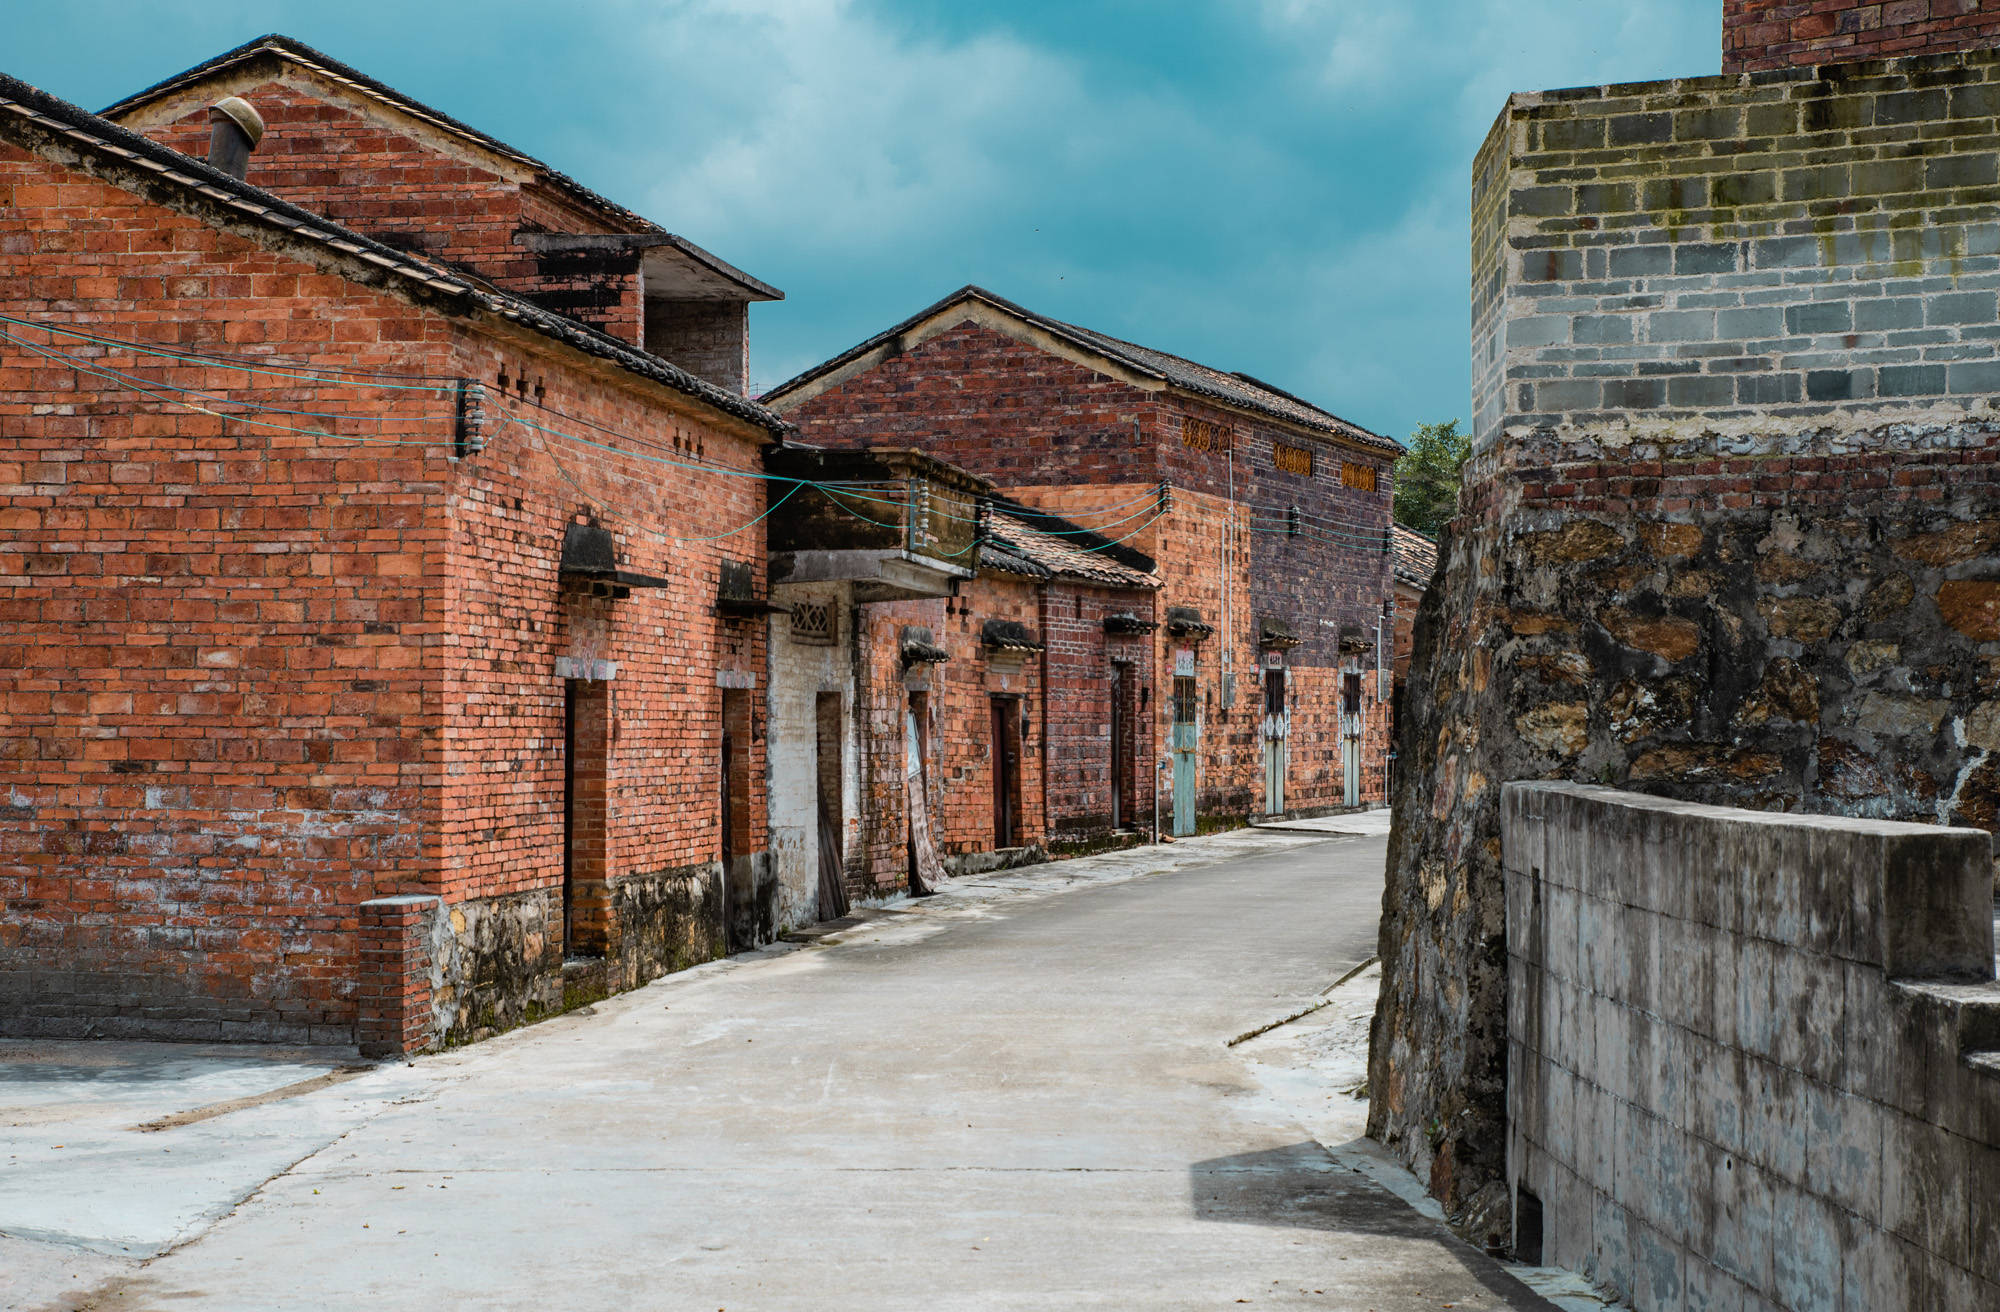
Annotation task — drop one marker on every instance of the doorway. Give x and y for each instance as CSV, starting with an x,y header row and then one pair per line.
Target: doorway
x,y
1186,741
926,871
827,741
1006,772
1121,751
739,892
586,903
1350,735
1277,733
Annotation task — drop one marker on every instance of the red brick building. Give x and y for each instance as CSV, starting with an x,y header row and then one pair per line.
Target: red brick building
x,y
1416,561
979,706
1268,517
343,145
379,651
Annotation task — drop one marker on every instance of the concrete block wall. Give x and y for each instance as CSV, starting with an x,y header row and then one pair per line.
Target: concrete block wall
x,y
1750,1056
1812,245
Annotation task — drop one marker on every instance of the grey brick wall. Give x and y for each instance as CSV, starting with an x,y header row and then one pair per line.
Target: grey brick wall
x,y
1749,1054
709,339
1731,253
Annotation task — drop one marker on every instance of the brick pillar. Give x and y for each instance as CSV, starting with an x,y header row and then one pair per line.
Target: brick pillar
x,y
393,993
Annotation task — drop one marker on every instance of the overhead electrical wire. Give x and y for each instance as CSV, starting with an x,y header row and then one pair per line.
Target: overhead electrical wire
x,y
1291,521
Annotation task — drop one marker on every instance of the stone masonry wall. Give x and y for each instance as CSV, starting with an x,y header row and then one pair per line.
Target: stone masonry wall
x,y
1751,1057
1761,34
1730,530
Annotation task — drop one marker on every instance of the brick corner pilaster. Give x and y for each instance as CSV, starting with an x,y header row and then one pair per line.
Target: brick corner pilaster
x,y
393,992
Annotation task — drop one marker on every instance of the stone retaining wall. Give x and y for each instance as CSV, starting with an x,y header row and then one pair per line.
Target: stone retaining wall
x,y
1732,531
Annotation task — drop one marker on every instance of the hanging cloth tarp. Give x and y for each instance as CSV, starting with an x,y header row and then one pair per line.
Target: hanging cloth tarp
x,y
832,880
926,871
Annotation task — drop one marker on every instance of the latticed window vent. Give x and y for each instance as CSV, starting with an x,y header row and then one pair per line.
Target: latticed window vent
x,y
812,622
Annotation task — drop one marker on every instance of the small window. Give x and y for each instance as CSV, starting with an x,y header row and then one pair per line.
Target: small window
x,y
1292,459
1204,435
812,623
1359,477
1350,693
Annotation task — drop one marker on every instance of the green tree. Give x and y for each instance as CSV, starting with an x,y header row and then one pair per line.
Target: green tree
x,y
1428,476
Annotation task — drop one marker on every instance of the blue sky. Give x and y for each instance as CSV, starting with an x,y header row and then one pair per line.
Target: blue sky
x,y
1274,186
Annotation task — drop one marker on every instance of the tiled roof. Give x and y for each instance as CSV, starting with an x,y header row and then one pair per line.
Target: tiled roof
x,y
298,52
1235,389
1053,546
27,111
1416,557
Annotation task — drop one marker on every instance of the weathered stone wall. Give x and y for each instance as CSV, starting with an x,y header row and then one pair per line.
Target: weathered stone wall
x,y
1730,531
497,963
1750,1056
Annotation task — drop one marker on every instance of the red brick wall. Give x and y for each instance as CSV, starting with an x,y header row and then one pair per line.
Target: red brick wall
x,y
878,864
1760,34
340,155
511,503
962,745
253,679
996,406
1076,747
393,995
218,725
1066,438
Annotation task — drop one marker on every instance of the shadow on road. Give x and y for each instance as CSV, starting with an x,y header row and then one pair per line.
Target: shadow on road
x,y
1301,1186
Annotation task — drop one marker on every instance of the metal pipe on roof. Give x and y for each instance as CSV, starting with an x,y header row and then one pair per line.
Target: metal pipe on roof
x,y
236,129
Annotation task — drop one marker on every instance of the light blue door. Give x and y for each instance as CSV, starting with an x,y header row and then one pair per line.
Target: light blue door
x,y
1186,741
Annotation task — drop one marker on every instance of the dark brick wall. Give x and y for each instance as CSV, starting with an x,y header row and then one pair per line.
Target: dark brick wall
x,y
1761,34
709,339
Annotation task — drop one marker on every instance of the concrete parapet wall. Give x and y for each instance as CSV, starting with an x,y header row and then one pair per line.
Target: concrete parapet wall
x,y
1749,1054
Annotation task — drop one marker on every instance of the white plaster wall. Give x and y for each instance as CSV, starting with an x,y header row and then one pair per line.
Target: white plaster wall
x,y
799,673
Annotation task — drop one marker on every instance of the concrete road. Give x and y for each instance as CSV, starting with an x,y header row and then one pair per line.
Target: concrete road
x,y
1017,1095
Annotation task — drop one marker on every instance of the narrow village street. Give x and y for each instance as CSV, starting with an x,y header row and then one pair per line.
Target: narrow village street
x,y
1018,1094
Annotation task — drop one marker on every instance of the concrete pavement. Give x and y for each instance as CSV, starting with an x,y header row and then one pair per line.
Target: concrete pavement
x,y
998,1098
